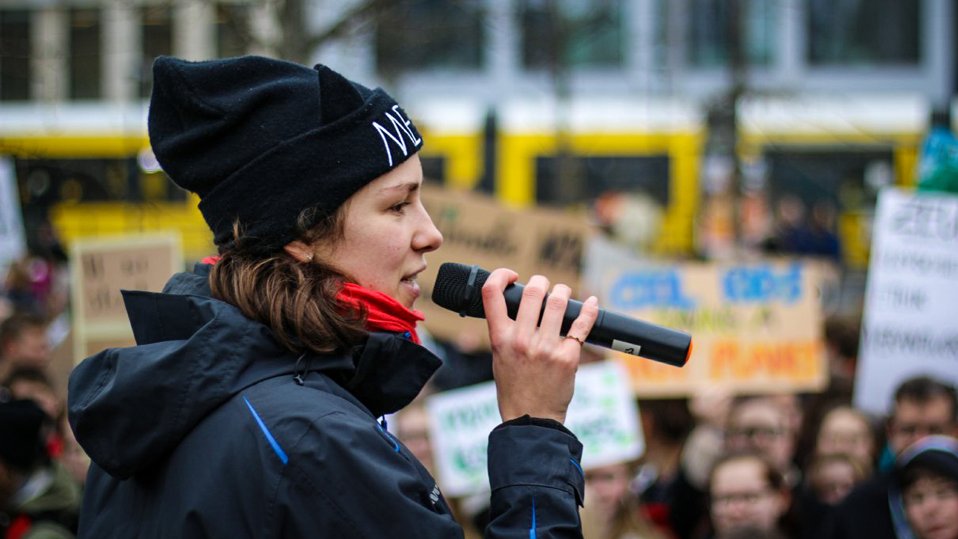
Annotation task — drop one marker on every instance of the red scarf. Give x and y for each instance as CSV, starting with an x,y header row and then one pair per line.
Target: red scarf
x,y
383,312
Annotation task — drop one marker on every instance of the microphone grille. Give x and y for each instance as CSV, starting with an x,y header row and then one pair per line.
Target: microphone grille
x,y
450,289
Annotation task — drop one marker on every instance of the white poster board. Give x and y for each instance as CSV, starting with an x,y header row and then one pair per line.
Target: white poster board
x,y
910,321
603,415
12,242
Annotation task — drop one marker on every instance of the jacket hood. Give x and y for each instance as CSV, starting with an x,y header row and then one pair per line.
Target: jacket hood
x,y
129,407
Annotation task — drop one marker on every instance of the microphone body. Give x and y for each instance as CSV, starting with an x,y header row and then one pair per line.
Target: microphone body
x,y
458,288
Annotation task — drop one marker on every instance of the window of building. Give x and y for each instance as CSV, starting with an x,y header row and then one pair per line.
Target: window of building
x,y
863,32
572,33
157,41
711,24
430,34
85,49
232,30
14,55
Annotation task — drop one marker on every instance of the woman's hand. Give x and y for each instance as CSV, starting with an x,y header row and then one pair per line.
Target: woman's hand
x,y
534,367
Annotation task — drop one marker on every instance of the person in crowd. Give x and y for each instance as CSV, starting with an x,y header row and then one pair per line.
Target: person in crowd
x,y
752,423
250,405
746,491
665,425
37,499
831,476
922,406
924,500
846,430
23,343
614,511
759,423
34,384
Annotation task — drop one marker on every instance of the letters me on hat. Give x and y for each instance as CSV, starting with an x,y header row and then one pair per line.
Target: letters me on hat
x,y
260,140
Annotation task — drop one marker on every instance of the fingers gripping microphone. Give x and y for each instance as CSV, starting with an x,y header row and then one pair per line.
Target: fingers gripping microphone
x,y
459,288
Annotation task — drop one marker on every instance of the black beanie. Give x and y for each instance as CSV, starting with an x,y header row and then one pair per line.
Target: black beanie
x,y
260,140
21,445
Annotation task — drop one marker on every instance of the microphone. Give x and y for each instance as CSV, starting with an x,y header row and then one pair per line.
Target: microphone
x,y
458,287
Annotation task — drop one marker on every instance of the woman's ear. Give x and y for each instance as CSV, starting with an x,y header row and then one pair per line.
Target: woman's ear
x,y
299,250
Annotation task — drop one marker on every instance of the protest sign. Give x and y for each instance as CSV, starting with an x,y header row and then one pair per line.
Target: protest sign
x,y
479,230
909,324
12,242
100,269
756,327
603,415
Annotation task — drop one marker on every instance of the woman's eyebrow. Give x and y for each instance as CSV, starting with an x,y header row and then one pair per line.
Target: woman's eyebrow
x,y
408,187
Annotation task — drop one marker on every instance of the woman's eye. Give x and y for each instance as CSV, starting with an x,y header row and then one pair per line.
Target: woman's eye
x,y
399,207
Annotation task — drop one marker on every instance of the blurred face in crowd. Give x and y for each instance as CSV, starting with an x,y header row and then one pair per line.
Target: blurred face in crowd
x,y
29,349
833,477
913,420
742,496
412,429
760,425
386,234
845,430
607,487
931,505
39,393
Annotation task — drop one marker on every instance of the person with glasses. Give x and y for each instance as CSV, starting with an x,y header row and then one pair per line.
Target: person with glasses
x,y
746,492
923,406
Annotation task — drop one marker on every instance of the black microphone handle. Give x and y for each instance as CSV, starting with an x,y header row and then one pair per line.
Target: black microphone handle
x,y
663,344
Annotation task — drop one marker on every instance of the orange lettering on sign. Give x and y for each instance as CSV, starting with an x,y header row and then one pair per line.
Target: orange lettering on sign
x,y
724,355
794,361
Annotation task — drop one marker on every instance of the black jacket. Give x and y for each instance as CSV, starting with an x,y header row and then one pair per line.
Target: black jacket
x,y
864,513
208,428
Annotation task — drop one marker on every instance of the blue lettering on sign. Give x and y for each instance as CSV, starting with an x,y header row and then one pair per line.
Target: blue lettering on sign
x,y
649,288
762,284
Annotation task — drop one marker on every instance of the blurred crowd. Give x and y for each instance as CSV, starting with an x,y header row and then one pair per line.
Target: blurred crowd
x,y
774,465
715,465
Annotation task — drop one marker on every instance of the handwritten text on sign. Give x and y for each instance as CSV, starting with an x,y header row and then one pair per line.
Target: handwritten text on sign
x,y
603,415
755,327
909,326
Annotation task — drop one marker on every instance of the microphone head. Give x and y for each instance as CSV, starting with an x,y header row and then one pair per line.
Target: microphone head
x,y
458,288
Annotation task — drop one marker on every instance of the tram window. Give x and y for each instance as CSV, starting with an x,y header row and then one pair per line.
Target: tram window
x,y
864,32
433,169
585,178
846,178
573,33
232,30
447,35
157,41
14,55
86,63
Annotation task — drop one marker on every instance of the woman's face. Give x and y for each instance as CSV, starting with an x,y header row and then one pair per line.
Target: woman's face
x,y
386,234
743,498
845,431
931,504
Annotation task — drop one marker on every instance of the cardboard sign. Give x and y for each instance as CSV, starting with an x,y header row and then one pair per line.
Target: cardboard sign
x,y
756,327
910,322
602,414
100,269
478,230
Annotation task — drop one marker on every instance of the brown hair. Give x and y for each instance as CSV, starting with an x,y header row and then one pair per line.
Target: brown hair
x,y
296,300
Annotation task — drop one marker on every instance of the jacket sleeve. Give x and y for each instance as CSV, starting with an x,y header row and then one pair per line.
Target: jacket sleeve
x,y
536,480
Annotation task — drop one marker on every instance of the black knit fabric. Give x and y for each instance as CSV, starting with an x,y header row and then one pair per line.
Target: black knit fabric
x,y
259,140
